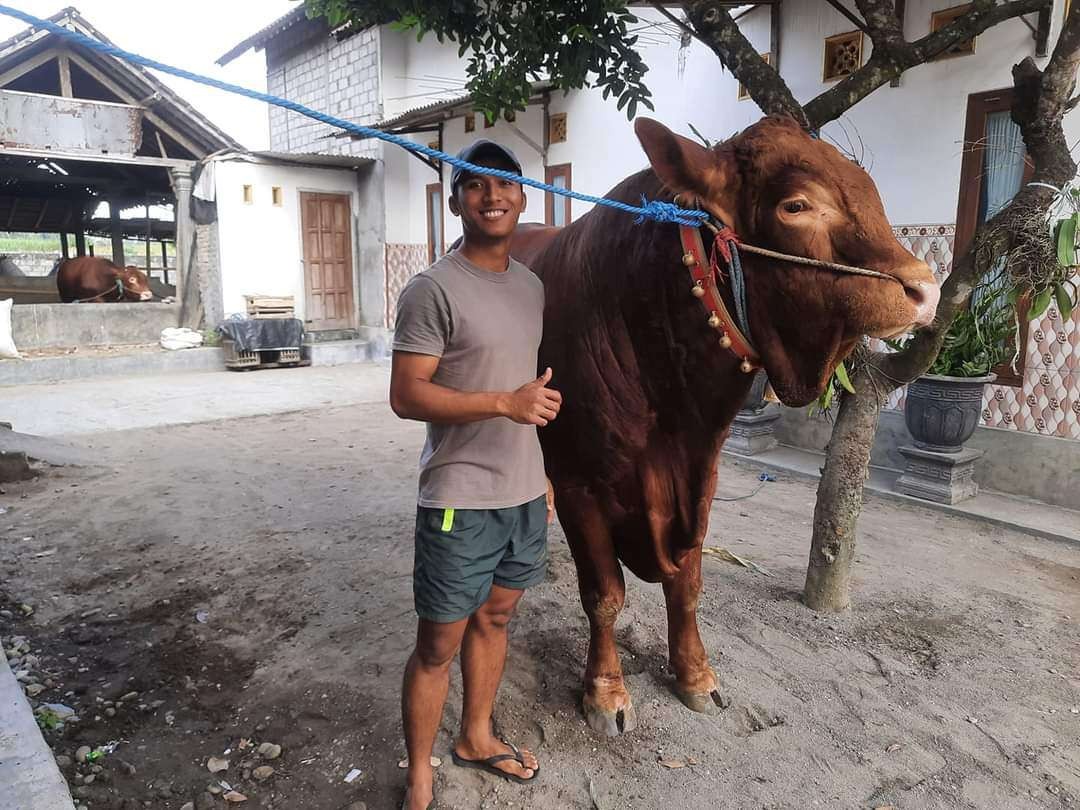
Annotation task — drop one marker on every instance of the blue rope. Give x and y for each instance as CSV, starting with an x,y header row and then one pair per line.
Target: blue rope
x,y
738,291
655,210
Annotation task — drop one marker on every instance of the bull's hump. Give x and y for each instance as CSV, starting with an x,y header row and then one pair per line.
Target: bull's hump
x,y
530,240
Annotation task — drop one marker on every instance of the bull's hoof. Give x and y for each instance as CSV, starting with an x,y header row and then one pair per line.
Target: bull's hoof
x,y
611,723
704,702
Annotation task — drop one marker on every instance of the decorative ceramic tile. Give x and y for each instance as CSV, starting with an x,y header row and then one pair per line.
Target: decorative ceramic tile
x,y
402,263
1048,401
931,243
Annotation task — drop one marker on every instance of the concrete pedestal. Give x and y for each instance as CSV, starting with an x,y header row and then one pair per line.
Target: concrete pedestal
x,y
753,431
940,477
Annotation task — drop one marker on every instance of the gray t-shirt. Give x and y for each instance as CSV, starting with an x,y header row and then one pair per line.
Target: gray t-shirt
x,y
485,327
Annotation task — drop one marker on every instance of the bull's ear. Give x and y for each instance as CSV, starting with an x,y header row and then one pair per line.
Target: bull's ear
x,y
687,167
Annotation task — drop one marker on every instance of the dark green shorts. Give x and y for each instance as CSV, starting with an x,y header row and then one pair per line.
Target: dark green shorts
x,y
460,553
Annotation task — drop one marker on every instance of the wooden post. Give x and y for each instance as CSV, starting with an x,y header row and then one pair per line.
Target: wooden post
x,y
64,245
774,35
164,263
80,242
64,64
90,249
116,228
1042,34
149,234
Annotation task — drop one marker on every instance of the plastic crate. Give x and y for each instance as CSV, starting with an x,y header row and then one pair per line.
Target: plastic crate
x,y
235,358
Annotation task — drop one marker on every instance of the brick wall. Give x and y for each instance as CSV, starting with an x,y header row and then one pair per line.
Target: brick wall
x,y
337,77
209,273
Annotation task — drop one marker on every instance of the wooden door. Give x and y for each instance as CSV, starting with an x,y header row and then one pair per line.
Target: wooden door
x,y
326,222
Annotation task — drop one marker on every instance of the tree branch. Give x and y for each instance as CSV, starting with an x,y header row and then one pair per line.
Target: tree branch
x,y
893,55
713,25
882,25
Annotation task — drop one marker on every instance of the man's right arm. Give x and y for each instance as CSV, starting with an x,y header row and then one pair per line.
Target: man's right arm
x,y
414,396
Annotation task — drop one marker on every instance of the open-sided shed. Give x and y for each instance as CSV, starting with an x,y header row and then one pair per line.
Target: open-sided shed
x,y
84,137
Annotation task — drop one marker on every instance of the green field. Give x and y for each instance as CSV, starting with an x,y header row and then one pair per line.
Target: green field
x,y
50,243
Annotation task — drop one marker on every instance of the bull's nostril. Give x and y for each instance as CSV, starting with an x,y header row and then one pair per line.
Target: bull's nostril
x,y
925,295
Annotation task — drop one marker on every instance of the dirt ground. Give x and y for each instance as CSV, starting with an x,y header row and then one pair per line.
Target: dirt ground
x,y
250,580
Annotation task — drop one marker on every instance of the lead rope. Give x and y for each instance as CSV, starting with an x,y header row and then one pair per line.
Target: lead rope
x,y
849,269
119,294
649,209
727,244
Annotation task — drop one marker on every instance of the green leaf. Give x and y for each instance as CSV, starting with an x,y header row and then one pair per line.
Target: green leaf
x,y
1064,301
1040,303
1066,242
842,376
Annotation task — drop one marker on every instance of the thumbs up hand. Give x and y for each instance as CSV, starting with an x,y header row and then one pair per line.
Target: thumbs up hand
x,y
534,403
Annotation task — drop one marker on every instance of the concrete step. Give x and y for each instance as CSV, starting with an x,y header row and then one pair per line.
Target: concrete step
x,y
331,335
339,352
118,363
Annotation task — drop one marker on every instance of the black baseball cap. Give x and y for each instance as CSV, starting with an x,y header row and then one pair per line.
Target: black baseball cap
x,y
479,152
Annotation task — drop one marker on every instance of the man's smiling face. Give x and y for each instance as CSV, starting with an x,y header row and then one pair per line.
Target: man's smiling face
x,y
489,207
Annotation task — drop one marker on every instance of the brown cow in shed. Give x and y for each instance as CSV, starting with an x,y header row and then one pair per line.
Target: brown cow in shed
x,y
649,391
92,279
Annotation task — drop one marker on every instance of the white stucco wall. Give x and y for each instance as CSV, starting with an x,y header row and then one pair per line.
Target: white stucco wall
x,y
406,177
418,73
261,246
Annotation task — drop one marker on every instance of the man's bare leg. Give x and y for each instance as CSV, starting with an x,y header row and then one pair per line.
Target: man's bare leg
x,y
483,656
423,695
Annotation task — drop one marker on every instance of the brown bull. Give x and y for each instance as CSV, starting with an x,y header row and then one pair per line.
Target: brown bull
x,y
92,279
649,393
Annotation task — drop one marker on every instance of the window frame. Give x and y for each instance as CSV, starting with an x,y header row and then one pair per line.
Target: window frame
x,y
428,191
980,106
550,173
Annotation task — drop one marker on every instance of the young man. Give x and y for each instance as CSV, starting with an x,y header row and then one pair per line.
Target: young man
x,y
465,357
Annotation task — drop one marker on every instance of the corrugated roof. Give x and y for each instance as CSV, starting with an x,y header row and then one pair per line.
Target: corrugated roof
x,y
57,18
438,111
298,158
264,35
428,113
315,159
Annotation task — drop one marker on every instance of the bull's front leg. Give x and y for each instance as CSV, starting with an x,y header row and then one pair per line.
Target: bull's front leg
x,y
696,684
606,703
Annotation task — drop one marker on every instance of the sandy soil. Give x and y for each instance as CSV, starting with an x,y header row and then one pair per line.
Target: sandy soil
x,y
953,684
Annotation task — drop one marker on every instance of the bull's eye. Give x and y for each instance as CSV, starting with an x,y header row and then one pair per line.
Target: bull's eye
x,y
796,206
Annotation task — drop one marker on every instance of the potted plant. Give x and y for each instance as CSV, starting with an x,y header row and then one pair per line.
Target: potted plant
x,y
943,406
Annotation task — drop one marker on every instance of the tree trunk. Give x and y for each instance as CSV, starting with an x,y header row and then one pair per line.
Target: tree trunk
x,y
839,498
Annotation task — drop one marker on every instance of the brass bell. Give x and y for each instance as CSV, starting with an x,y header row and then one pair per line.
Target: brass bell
x,y
689,259
725,342
746,367
714,321
697,291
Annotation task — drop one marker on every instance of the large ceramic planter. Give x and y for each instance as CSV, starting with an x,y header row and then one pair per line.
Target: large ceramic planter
x,y
755,397
942,412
